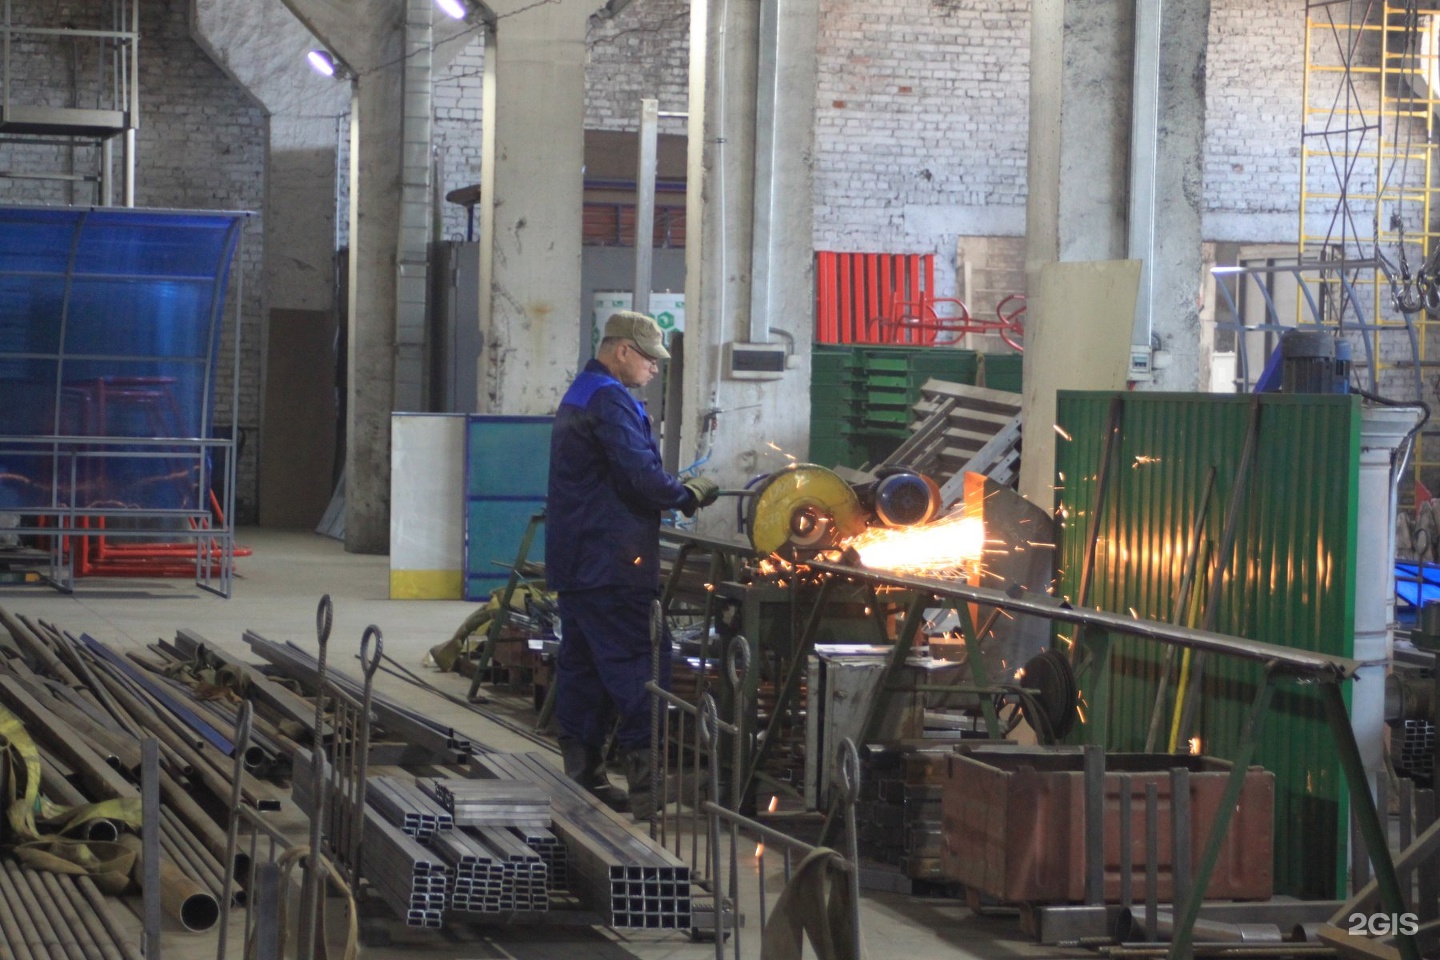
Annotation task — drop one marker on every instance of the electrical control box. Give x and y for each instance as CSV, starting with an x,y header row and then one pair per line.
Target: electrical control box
x,y
755,361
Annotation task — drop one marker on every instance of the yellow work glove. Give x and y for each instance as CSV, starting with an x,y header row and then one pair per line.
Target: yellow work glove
x,y
703,489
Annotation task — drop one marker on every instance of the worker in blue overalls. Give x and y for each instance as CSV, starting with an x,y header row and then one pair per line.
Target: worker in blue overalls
x,y
602,545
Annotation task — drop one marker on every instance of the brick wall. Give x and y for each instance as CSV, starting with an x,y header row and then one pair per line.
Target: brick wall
x,y
459,113
921,125
643,52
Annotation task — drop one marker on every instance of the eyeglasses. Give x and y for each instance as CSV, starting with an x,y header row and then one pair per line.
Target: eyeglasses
x,y
653,361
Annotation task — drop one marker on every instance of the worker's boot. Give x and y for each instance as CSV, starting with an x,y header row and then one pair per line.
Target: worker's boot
x,y
579,765
600,785
637,776
586,766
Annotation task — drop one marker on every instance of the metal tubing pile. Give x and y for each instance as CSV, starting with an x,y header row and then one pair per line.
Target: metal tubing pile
x,y
629,879
504,803
412,880
479,885
44,916
551,850
399,721
408,807
524,876
86,709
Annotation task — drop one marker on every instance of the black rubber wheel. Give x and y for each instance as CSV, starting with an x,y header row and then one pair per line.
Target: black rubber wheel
x,y
1050,676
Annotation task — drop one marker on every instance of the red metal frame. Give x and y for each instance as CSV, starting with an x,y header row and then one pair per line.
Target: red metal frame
x,y
888,298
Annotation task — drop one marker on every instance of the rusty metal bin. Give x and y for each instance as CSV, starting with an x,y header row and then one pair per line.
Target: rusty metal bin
x,y
1014,823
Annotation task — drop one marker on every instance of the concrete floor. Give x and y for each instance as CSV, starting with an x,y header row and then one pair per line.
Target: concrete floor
x,y
275,595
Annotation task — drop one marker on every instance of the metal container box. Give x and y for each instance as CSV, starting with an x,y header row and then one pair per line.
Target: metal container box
x,y
1014,824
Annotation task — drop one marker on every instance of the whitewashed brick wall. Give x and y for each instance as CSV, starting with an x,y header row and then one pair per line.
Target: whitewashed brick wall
x,y
641,53
459,113
920,126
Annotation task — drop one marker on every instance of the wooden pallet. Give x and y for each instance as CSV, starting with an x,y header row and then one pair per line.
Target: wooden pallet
x,y
961,429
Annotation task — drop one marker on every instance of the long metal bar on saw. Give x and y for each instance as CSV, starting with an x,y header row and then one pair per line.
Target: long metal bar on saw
x,y
259,687
192,719
404,723
1318,665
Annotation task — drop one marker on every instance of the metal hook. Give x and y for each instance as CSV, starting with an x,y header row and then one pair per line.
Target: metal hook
x,y
371,664
849,770
737,665
709,722
324,620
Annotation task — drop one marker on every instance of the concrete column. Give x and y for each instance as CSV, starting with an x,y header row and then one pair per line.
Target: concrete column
x,y
533,215
369,36
1082,69
752,415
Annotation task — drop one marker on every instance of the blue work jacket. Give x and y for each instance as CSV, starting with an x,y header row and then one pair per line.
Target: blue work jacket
x,y
607,489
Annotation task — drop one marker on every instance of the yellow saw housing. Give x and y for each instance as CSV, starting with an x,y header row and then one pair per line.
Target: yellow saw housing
x,y
806,507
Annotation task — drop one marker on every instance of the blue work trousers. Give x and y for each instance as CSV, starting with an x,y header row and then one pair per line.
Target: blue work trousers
x,y
604,664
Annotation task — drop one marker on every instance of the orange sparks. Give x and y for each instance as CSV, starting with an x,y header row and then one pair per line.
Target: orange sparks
x,y
1061,431
1195,746
1142,460
774,804
942,548
759,849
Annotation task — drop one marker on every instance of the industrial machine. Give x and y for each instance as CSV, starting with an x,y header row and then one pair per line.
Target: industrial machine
x,y
805,508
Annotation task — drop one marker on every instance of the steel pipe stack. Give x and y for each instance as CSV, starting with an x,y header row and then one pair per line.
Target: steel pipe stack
x,y
412,880
485,803
551,850
523,879
407,807
479,876
630,880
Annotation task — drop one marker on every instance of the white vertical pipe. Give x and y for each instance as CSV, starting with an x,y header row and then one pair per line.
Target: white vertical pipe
x,y
1382,429
1144,154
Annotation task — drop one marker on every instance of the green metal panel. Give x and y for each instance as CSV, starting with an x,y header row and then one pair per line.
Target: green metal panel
x,y
1290,578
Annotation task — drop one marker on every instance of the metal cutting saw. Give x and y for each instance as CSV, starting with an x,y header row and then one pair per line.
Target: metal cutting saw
x,y
805,508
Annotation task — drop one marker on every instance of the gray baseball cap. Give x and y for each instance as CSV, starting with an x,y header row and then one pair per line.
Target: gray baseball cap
x,y
629,325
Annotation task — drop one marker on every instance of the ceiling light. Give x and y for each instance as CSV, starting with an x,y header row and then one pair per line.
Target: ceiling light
x,y
455,9
327,64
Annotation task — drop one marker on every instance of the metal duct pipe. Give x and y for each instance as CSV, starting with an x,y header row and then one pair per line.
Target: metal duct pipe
x,y
182,896
1133,922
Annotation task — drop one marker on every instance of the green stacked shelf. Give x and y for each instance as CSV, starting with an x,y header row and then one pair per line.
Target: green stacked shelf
x,y
862,397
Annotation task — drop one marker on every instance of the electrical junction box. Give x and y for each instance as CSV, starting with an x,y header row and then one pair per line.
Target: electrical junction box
x,y
1141,363
755,361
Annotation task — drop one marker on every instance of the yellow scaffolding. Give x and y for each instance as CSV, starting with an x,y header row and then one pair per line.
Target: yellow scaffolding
x,y
1367,184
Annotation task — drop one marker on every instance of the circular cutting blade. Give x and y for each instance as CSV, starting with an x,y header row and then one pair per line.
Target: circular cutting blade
x,y
803,506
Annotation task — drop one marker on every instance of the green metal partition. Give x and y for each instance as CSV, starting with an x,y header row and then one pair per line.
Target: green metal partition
x,y
1288,578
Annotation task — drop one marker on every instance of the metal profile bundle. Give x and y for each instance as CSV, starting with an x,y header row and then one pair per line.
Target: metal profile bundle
x,y
410,878
479,874
524,880
551,850
400,722
484,803
408,807
629,879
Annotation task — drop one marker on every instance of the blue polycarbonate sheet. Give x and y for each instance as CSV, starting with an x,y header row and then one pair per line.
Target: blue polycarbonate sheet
x,y
110,327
